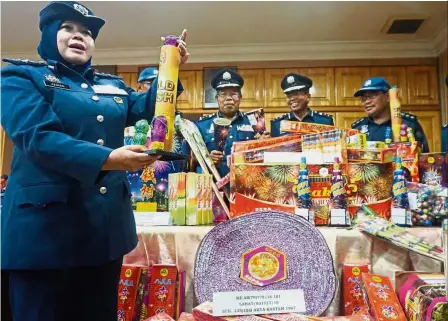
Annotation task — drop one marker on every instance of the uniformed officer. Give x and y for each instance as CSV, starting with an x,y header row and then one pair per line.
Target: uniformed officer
x,y
227,84
297,90
66,218
146,78
375,99
445,138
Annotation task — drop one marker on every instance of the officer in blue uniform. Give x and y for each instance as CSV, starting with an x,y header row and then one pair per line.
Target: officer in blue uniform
x,y
227,84
66,218
146,78
297,90
445,138
374,96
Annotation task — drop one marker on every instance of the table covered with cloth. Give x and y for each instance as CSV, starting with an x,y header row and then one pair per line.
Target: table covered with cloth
x,y
178,245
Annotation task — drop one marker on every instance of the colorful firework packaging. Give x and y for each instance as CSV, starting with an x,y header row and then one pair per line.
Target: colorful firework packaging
x,y
428,204
162,293
404,133
383,302
408,152
303,193
257,120
433,169
373,155
395,113
400,213
141,132
130,292
353,300
221,128
339,216
388,135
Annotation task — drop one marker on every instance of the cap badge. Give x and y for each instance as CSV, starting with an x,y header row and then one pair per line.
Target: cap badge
x,y
81,9
367,83
290,79
226,75
52,78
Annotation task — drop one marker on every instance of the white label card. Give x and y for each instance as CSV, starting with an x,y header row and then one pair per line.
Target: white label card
x,y
258,302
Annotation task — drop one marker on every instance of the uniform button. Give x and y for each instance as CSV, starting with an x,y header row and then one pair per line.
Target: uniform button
x,y
100,142
247,137
84,85
231,136
103,190
230,126
95,98
100,118
213,139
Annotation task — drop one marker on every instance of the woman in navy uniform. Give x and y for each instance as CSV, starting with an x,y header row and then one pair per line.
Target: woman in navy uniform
x,y
297,90
227,84
66,216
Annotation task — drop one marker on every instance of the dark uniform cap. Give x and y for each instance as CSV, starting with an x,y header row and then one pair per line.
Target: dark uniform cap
x,y
70,10
226,78
148,74
374,84
293,82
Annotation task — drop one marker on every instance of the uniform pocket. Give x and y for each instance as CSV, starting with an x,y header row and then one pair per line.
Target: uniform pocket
x,y
245,135
41,196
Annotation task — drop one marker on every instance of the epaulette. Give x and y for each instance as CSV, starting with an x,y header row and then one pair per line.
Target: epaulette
x,y
323,114
103,75
408,116
282,117
25,62
206,117
358,121
446,126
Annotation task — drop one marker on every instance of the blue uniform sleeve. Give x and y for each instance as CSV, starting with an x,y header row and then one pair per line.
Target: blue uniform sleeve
x,y
331,122
143,105
445,139
421,137
275,128
36,130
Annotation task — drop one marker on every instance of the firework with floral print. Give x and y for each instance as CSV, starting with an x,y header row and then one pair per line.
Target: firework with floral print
x,y
283,173
270,189
249,176
159,166
378,188
363,172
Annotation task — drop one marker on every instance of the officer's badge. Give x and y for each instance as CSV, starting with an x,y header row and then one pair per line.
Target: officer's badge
x,y
290,79
118,100
245,128
81,9
367,83
52,78
365,129
226,75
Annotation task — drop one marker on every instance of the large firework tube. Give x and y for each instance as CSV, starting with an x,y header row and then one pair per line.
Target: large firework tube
x,y
167,90
395,113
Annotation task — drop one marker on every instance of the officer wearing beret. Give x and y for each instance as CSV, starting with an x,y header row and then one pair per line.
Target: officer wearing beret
x,y
146,78
227,84
297,90
374,95
66,218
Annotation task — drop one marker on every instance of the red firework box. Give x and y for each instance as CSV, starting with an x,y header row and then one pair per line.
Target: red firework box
x,y
311,128
256,187
160,317
260,143
383,302
409,153
352,288
130,292
257,120
378,155
162,292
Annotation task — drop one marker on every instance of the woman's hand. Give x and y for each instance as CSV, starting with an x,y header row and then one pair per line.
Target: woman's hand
x,y
182,45
128,158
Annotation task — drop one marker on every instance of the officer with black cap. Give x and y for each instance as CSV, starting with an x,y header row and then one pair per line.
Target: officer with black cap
x,y
297,90
146,78
375,99
227,84
66,217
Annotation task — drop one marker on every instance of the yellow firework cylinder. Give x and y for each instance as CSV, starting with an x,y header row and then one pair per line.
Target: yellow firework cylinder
x,y
167,89
395,113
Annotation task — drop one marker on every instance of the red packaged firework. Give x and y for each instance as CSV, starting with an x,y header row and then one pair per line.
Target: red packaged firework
x,y
130,291
352,288
162,291
162,316
409,156
383,302
186,317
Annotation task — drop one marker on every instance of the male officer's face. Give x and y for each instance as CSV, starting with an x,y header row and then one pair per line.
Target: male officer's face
x,y
229,100
297,100
144,86
75,43
375,102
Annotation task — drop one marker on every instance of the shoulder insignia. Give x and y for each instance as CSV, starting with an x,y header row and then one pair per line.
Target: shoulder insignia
x,y
408,116
446,126
25,62
324,114
282,117
358,121
206,117
103,75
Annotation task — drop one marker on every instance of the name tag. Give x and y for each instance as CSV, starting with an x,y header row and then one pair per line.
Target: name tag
x,y
53,84
245,128
108,89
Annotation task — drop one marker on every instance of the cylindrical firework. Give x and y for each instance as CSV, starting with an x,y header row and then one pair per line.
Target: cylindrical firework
x,y
395,113
303,186
167,90
388,135
141,132
159,132
399,190
338,194
221,128
403,133
410,132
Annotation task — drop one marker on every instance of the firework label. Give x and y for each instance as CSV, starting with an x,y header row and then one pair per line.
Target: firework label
x,y
352,292
162,291
130,291
339,215
221,129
